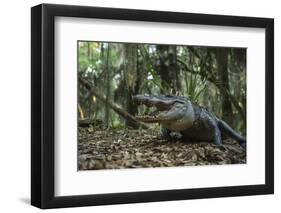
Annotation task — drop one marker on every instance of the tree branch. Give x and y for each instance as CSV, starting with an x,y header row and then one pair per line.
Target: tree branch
x,y
93,91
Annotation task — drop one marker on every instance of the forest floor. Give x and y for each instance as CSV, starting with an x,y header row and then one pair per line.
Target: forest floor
x,y
107,148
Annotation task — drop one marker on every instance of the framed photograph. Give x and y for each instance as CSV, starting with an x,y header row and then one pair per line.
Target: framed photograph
x,y
139,106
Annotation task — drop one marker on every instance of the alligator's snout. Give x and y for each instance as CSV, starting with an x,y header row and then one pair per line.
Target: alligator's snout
x,y
138,98
163,107
161,102
141,99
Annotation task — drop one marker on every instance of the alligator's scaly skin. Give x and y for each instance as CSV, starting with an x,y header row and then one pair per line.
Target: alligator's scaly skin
x,y
195,123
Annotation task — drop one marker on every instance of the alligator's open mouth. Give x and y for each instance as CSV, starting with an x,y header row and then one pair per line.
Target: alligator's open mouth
x,y
156,108
150,115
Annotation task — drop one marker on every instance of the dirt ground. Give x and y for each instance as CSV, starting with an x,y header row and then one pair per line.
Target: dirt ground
x,y
107,148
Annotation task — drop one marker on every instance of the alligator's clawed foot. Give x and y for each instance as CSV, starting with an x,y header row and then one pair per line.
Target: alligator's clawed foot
x,y
175,136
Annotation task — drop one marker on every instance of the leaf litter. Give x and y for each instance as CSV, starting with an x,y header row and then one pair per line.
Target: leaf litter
x,y
107,148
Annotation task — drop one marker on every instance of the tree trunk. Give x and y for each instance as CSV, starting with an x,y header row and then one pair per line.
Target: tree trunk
x,y
131,76
167,68
108,82
222,68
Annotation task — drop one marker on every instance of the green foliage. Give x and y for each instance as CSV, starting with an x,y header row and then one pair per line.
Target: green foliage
x,y
156,80
105,65
195,87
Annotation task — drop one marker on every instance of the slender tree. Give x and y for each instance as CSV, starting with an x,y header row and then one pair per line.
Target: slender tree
x,y
167,68
222,69
131,76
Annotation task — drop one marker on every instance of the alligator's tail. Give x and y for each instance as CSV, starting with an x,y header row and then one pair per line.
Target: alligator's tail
x,y
224,127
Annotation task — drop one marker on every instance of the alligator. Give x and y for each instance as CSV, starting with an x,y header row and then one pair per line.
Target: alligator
x,y
193,122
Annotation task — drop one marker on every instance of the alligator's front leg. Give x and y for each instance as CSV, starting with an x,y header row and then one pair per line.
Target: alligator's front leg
x,y
166,134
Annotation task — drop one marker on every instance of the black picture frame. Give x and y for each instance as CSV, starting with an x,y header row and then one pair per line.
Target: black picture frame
x,y
43,102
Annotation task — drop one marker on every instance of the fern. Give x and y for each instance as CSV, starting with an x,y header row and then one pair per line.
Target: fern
x,y
195,87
